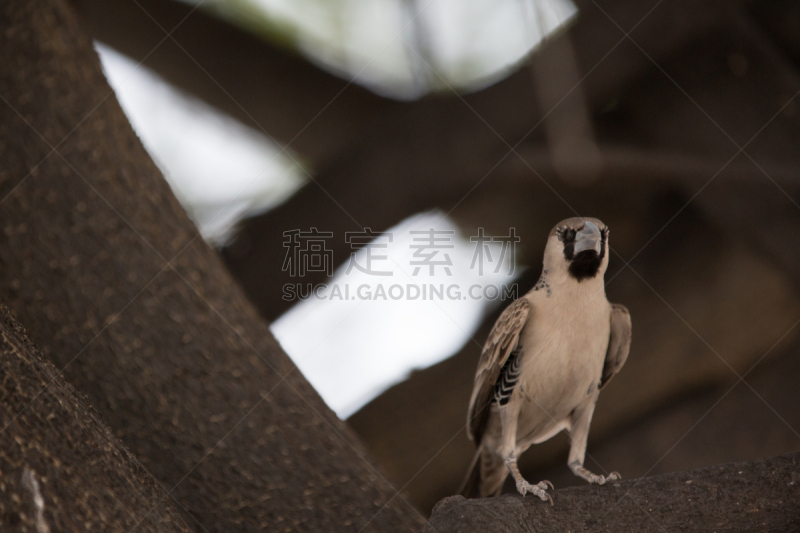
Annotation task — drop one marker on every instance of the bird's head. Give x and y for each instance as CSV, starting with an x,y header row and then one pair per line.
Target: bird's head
x,y
578,247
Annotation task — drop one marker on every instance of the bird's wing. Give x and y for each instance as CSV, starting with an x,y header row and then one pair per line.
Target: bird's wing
x,y
619,343
503,339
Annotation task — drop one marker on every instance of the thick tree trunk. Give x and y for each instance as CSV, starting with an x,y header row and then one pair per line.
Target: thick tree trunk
x,y
61,467
101,264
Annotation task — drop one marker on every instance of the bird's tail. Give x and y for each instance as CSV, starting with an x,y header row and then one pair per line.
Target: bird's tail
x,y
485,476
471,486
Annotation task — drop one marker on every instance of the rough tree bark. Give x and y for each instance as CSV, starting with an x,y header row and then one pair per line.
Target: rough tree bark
x,y
762,495
101,264
61,467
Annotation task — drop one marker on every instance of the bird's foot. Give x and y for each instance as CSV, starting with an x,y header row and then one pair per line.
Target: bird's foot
x,y
601,480
584,473
540,489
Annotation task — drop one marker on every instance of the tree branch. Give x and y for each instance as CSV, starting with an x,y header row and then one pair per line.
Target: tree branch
x,y
62,468
761,495
432,153
104,268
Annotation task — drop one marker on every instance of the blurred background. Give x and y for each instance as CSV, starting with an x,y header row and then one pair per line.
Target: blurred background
x,y
675,122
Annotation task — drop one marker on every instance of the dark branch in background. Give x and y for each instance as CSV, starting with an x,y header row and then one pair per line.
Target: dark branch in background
x,y
569,130
761,495
62,468
433,152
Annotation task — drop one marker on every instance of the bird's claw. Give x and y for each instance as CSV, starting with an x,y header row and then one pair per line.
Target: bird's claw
x,y
540,489
602,480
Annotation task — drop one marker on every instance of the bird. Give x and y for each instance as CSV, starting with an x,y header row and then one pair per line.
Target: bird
x,y
545,361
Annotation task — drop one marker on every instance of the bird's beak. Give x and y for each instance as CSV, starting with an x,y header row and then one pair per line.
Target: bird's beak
x,y
588,238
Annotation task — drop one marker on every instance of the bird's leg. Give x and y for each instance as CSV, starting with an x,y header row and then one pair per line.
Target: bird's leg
x,y
579,434
523,487
509,441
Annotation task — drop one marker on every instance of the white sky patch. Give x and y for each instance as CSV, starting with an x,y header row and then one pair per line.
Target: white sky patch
x,y
351,37
477,42
473,43
218,168
351,350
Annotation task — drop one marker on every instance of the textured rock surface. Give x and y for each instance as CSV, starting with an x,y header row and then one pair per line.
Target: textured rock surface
x,y
762,495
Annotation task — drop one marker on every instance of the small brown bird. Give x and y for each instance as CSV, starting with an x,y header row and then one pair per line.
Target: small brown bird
x,y
545,362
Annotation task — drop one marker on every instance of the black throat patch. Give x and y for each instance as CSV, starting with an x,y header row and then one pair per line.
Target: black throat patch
x,y
586,264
